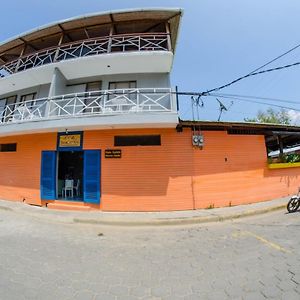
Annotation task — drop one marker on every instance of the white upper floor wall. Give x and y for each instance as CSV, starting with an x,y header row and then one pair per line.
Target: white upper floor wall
x,y
61,86
120,42
70,74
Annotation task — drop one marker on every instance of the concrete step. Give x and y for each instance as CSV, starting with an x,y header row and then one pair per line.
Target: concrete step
x,y
80,206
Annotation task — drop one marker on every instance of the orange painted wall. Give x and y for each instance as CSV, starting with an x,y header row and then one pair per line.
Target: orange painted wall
x,y
230,169
145,178
20,171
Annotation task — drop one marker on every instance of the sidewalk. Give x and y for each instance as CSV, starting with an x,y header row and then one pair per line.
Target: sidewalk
x,y
145,218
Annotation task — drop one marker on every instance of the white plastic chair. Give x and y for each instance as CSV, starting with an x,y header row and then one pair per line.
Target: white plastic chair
x,y
69,186
76,188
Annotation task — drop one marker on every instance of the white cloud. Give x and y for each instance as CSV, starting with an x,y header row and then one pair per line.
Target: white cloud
x,y
295,116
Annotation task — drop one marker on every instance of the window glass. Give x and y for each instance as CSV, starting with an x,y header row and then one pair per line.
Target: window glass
x,y
2,107
122,85
93,99
138,140
10,107
93,86
8,147
28,97
128,95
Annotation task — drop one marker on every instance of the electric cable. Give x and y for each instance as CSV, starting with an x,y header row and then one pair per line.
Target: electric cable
x,y
254,72
256,97
258,102
276,58
250,75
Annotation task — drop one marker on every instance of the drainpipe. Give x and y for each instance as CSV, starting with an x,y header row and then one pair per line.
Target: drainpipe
x,y
177,100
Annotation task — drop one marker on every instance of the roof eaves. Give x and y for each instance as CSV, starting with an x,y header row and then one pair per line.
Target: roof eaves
x,y
240,124
85,16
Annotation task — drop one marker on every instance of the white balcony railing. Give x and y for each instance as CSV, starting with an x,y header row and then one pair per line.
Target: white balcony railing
x,y
103,45
105,102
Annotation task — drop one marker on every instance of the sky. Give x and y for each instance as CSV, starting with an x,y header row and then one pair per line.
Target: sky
x,y
219,41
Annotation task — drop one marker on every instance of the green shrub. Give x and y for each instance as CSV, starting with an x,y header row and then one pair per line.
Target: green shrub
x,y
290,158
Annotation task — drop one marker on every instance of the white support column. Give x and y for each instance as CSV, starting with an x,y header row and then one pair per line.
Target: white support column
x,y
57,87
111,32
58,47
169,36
19,59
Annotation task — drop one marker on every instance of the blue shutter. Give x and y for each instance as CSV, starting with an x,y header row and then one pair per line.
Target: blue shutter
x,y
91,176
48,175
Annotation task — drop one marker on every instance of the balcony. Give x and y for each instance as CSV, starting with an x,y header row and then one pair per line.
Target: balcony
x,y
130,102
90,47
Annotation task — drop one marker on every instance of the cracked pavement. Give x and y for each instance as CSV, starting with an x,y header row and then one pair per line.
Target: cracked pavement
x,y
251,258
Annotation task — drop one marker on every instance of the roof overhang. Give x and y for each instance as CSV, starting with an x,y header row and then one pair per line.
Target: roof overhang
x,y
171,15
256,128
289,135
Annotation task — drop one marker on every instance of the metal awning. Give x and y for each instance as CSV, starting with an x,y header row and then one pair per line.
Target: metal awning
x,y
286,133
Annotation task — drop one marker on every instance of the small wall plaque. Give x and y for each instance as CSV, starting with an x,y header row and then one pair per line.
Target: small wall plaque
x,y
113,153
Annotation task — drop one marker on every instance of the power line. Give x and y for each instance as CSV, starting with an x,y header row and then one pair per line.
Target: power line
x,y
207,93
258,102
254,72
250,75
256,97
244,98
276,58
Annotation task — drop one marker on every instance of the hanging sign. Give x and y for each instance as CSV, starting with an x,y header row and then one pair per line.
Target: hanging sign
x,y
69,140
113,153
72,140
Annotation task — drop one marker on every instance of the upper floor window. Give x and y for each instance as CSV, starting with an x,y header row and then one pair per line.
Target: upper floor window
x,y
93,86
122,85
7,107
28,97
92,100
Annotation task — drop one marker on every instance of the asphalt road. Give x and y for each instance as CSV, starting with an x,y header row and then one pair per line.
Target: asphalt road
x,y
252,258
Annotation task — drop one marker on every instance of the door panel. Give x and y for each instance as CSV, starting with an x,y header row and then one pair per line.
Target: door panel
x,y
91,176
48,175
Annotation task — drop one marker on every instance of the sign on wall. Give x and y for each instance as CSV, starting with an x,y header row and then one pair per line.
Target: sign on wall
x,y
69,141
113,153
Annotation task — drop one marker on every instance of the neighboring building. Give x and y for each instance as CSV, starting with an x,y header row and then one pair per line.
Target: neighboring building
x,y
291,150
89,120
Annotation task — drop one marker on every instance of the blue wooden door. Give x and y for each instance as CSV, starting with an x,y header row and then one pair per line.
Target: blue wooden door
x,y
48,175
91,176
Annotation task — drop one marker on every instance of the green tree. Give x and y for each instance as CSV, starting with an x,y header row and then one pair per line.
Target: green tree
x,y
271,116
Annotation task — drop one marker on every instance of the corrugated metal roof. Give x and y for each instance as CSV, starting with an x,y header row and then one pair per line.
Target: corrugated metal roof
x,y
285,151
245,125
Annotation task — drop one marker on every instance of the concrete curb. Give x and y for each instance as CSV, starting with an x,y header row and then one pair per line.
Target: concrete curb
x,y
214,215
179,221
5,208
